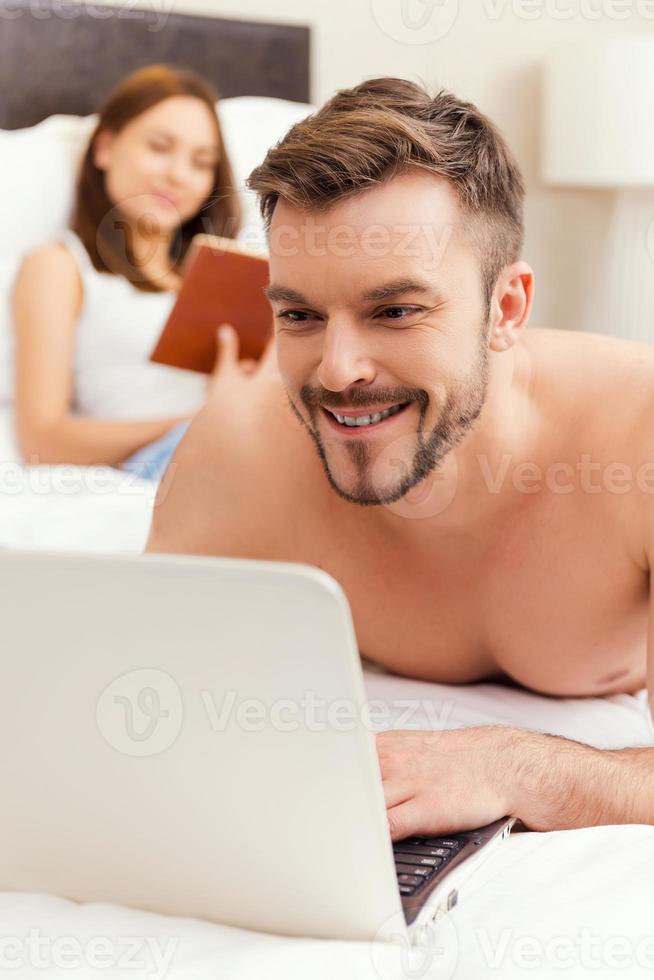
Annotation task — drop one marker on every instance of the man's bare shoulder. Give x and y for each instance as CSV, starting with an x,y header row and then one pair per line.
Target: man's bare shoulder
x,y
607,381
596,396
228,483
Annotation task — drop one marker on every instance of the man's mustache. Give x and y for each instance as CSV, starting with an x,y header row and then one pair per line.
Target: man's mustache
x,y
314,397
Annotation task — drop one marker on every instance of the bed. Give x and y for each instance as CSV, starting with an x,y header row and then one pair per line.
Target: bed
x,y
577,902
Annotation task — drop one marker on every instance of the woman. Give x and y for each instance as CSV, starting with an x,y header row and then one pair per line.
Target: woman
x,y
89,308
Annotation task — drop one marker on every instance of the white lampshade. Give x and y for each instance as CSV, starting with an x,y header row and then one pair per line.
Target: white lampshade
x,y
598,115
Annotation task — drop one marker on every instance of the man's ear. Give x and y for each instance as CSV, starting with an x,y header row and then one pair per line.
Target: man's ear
x,y
102,149
511,305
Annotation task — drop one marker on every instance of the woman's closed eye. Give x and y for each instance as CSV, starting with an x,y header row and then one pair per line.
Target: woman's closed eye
x,y
205,163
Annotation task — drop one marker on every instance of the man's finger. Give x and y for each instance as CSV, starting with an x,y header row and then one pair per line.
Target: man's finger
x,y
404,820
395,793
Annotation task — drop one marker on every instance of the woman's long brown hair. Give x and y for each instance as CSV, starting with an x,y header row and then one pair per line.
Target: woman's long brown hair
x,y
95,217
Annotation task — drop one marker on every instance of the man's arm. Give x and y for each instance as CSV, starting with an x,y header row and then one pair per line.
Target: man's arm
x,y
441,782
650,648
574,785
189,497
204,501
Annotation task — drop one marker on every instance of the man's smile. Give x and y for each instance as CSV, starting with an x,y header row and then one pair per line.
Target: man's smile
x,y
355,421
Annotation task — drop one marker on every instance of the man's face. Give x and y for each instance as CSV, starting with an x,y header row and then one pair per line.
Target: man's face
x,y
381,343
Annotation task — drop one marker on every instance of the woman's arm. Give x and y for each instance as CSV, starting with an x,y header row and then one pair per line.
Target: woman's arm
x,y
46,305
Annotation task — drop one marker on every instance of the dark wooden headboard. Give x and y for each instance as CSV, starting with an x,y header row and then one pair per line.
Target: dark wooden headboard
x,y
65,57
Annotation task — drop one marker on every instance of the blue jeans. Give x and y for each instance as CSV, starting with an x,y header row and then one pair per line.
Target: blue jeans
x,y
150,462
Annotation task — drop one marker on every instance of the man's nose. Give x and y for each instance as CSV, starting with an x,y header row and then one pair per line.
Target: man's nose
x,y
345,358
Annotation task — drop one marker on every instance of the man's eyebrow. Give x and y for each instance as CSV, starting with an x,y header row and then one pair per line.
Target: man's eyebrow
x,y
277,294
397,288
388,290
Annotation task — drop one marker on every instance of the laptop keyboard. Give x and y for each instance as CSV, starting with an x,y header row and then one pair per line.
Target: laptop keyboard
x,y
419,859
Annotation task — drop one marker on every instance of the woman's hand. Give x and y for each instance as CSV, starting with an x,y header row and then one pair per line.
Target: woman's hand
x,y
229,370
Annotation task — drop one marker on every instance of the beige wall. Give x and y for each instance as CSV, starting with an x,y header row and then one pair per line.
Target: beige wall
x,y
492,54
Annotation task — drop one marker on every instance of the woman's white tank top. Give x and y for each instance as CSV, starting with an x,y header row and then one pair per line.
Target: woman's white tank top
x,y
117,329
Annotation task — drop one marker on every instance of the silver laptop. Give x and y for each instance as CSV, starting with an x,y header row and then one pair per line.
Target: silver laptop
x,y
190,736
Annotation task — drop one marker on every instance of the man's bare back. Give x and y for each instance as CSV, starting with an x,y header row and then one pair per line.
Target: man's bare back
x,y
546,581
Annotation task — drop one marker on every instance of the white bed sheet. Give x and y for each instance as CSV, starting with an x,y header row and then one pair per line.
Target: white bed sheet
x,y
70,508
558,892
577,903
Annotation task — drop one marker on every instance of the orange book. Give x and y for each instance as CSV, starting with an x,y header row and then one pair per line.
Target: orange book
x,y
223,283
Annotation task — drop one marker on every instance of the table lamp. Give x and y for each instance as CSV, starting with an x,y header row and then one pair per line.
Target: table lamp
x,y
598,131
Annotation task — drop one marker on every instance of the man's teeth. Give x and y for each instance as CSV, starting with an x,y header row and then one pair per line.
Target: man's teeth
x,y
360,420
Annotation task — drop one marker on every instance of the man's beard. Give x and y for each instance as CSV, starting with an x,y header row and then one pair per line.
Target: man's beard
x,y
461,409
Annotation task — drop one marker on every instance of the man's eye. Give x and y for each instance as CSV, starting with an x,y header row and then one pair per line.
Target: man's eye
x,y
399,312
294,316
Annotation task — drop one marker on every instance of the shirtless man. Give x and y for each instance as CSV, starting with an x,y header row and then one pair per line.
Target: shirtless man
x,y
499,522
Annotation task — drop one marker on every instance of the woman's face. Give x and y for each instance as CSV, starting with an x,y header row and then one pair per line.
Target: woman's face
x,y
161,166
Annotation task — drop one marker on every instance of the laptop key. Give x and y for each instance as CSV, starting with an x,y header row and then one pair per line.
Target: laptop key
x,y
418,859
442,842
411,869
406,890
409,879
427,851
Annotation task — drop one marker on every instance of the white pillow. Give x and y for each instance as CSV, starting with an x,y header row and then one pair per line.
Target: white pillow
x,y
251,125
8,269
37,177
37,180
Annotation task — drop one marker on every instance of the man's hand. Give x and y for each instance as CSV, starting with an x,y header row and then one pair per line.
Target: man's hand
x,y
441,782
229,370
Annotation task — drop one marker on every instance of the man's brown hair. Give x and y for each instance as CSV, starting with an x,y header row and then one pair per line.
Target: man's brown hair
x,y
385,126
